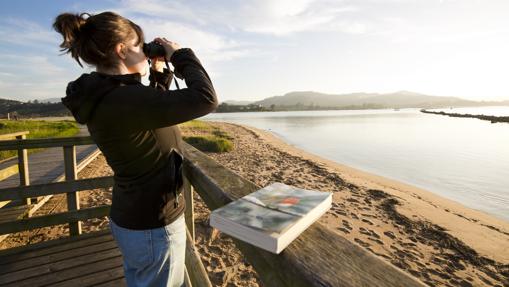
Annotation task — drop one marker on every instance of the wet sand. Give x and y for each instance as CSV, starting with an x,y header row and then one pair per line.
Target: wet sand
x,y
437,240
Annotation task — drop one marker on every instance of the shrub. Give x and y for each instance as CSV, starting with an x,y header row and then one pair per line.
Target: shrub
x,y
210,143
196,125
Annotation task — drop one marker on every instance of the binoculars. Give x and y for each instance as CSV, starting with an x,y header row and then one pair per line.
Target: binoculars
x,y
153,50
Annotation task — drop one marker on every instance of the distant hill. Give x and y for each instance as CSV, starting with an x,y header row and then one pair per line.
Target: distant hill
x,y
50,100
401,99
305,100
238,103
32,109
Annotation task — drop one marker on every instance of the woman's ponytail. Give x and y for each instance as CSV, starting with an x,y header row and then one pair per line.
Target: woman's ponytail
x,y
69,25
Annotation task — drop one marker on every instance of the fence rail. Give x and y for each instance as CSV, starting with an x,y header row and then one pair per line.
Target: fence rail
x,y
15,135
54,219
45,142
20,192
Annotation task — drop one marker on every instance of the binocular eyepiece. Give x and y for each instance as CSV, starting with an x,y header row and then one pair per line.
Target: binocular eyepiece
x,y
153,50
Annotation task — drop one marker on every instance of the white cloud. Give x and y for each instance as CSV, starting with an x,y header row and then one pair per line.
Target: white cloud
x,y
40,65
29,76
211,46
27,33
280,17
288,17
32,69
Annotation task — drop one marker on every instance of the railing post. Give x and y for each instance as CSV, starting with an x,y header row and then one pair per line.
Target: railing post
x,y
73,199
195,269
24,176
189,212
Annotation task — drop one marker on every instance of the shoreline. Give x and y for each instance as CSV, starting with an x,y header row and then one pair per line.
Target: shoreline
x,y
471,226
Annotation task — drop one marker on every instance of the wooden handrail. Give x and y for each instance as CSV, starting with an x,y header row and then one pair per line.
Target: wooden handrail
x,y
45,142
53,219
21,192
13,135
318,257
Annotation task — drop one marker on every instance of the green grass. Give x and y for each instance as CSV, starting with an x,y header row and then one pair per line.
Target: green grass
x,y
37,129
221,134
206,137
196,125
210,143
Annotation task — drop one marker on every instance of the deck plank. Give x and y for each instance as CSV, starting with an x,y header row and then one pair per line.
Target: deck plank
x,y
85,260
114,283
70,274
55,257
93,279
53,246
46,269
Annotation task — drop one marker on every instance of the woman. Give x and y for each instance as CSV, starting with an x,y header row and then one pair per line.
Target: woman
x,y
133,126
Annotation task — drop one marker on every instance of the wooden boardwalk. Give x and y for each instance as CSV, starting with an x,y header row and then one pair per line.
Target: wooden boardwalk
x,y
46,166
91,259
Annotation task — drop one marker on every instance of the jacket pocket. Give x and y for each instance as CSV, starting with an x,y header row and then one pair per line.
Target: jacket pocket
x,y
176,173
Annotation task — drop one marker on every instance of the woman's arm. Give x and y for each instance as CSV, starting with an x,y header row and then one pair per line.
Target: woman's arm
x,y
142,108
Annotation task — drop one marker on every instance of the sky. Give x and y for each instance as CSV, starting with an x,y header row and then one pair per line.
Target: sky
x,y
253,49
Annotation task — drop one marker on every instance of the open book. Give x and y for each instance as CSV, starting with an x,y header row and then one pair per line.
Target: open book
x,y
271,217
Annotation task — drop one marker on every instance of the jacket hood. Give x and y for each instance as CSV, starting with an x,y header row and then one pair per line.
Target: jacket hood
x,y
85,93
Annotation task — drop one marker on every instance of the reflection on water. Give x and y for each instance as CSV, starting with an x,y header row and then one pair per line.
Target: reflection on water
x,y
463,159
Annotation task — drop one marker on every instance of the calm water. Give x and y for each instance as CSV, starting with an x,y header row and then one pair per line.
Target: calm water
x,y
466,160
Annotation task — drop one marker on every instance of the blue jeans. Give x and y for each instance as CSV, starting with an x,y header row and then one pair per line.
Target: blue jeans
x,y
153,257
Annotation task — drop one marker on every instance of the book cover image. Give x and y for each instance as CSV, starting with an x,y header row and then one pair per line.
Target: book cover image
x,y
272,209
266,220
287,199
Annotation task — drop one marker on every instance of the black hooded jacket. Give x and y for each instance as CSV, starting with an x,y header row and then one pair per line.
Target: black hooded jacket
x,y
134,127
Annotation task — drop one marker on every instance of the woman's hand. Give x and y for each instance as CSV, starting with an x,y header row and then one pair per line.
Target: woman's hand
x,y
169,46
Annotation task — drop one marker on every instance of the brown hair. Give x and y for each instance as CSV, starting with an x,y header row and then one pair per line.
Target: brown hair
x,y
93,39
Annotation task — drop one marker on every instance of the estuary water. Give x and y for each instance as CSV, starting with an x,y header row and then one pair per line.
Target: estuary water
x,y
463,159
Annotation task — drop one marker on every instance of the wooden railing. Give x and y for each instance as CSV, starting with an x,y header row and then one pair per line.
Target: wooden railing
x,y
318,257
21,167
71,186
69,149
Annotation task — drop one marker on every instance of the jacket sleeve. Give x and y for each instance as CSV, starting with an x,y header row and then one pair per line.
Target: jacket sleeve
x,y
147,108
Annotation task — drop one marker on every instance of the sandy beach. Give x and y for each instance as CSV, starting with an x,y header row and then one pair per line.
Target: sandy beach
x,y
439,241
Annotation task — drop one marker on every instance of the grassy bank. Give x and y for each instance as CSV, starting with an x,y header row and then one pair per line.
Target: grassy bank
x,y
37,129
205,137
